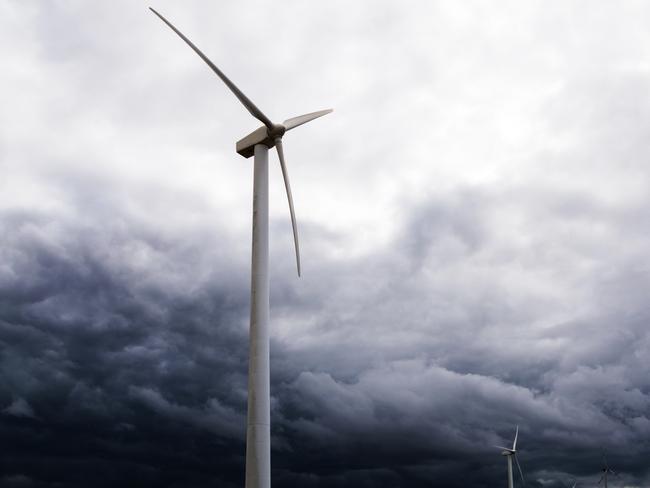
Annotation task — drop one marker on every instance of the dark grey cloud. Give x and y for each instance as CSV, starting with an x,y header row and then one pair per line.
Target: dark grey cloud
x,y
110,366
19,408
96,353
474,244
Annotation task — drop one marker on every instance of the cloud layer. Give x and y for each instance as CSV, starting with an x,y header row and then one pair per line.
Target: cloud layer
x,y
474,220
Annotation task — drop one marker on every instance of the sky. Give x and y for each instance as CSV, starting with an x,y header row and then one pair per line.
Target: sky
x,y
474,223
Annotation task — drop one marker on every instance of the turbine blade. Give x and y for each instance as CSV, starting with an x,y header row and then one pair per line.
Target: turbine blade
x,y
601,479
504,448
514,444
285,175
303,119
250,106
520,471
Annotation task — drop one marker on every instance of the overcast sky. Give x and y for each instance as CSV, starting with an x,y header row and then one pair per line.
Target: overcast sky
x,y
474,220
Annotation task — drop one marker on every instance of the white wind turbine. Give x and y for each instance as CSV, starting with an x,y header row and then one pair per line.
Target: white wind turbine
x,y
510,454
258,143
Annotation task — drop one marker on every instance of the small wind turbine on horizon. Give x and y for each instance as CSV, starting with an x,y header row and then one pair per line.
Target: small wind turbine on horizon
x,y
606,470
258,143
575,482
511,453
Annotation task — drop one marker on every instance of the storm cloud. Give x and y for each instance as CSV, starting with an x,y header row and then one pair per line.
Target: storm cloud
x,y
474,224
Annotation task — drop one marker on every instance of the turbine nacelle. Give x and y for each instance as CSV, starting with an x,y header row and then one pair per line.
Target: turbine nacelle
x,y
246,145
506,451
269,135
261,135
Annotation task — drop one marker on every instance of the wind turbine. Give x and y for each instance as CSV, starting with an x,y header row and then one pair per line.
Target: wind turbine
x,y
510,454
606,470
258,143
575,483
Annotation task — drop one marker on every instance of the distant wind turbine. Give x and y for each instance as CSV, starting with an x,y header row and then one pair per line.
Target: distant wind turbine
x,y
510,454
606,470
258,143
575,482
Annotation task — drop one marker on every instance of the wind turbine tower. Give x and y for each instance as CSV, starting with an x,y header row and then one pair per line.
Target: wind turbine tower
x,y
257,144
510,455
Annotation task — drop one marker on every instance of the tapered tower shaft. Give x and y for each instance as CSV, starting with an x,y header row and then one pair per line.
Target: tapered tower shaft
x,y
258,433
510,480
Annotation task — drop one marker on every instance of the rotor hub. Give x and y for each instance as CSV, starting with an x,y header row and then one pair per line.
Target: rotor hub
x,y
277,131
